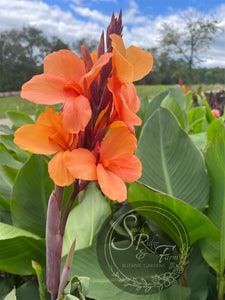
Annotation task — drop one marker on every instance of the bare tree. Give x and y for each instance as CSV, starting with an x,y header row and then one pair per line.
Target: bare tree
x,y
191,39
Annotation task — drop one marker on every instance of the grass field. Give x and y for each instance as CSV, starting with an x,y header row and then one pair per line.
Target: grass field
x,y
17,104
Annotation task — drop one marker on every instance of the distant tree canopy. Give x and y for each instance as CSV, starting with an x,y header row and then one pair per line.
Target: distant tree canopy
x,y
190,41
22,53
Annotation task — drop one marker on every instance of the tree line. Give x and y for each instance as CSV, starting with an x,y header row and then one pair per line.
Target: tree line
x,y
22,53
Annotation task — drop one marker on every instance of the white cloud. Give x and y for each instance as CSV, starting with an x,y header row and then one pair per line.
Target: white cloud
x,y
94,15
140,29
50,19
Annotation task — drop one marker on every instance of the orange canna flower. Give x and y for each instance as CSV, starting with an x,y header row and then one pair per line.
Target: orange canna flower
x,y
128,65
113,166
48,136
65,80
126,101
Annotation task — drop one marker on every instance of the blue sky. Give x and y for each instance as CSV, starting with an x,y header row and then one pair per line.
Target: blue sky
x,y
142,19
150,8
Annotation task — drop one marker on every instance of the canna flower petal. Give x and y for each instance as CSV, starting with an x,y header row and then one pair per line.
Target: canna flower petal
x,y
124,69
76,114
35,138
131,64
142,62
47,89
58,171
118,142
66,64
92,74
125,100
48,136
94,56
127,166
111,185
61,136
81,163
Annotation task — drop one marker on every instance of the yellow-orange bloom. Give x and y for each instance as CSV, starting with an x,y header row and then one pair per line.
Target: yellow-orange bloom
x,y
115,165
48,136
65,80
128,65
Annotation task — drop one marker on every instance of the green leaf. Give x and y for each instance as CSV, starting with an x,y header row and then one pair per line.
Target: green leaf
x,y
11,295
189,101
214,252
175,92
5,129
85,262
171,162
18,248
7,141
214,127
196,118
5,216
86,219
10,172
30,195
170,102
179,96
200,140
155,103
5,183
4,203
28,291
18,118
6,285
209,115
71,297
39,272
196,223
77,284
197,274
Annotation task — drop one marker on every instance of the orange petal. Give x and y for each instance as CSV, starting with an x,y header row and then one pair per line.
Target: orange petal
x,y
118,142
128,167
58,171
35,138
46,89
50,118
125,100
130,97
111,185
94,56
117,124
142,62
89,77
123,68
66,64
76,114
82,164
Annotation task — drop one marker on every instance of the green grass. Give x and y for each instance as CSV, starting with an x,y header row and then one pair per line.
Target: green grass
x,y
16,103
144,91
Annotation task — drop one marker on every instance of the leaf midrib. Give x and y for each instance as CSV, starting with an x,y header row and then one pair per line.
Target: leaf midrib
x,y
169,189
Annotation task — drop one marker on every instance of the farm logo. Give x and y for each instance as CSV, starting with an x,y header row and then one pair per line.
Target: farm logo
x,y
136,254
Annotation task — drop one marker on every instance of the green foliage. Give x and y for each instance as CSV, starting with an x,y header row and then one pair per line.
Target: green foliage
x,y
85,226
172,164
214,252
196,223
182,149
30,194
